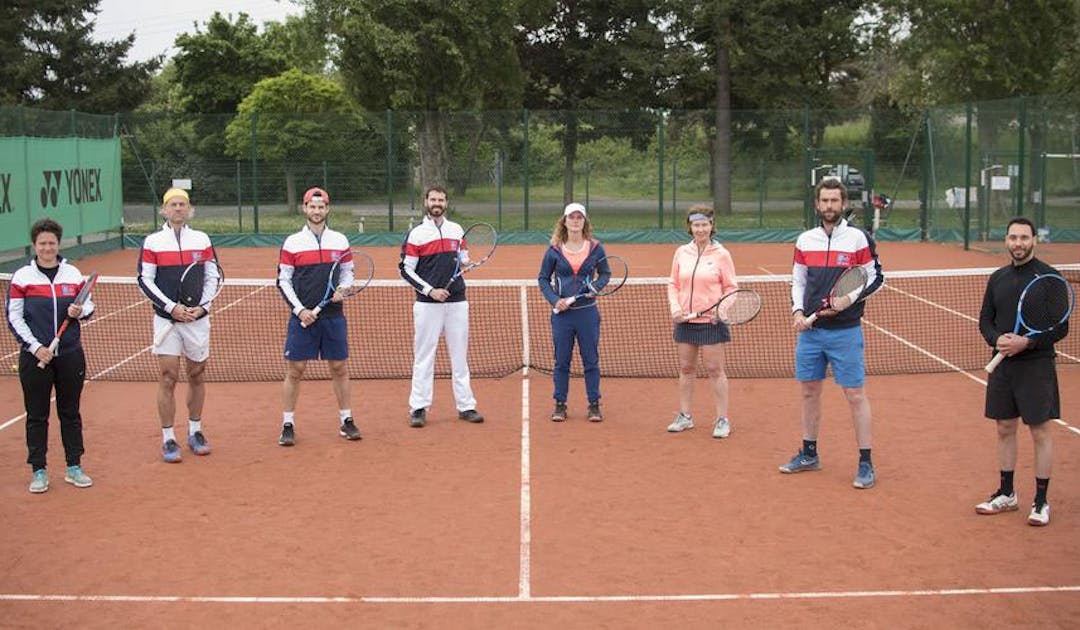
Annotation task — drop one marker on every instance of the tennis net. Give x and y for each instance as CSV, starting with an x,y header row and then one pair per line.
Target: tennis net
x,y
924,321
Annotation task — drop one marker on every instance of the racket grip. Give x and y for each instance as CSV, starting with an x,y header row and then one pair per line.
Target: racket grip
x,y
996,361
53,345
315,311
810,320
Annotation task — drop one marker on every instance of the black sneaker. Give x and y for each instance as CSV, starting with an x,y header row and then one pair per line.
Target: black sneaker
x,y
288,436
559,415
594,412
470,415
348,430
418,418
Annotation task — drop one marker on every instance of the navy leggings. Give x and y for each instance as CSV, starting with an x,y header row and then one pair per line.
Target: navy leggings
x,y
583,326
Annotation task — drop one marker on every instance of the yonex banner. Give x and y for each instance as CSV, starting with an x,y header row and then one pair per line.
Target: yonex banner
x,y
73,180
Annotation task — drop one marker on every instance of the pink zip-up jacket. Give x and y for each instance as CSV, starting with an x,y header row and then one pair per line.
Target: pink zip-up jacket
x,y
698,282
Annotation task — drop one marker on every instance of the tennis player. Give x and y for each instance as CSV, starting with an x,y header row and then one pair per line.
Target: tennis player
x,y
164,256
821,256
304,268
40,296
428,261
702,271
1025,385
573,254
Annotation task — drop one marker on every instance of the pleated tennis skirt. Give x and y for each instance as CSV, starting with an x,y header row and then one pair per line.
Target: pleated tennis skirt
x,y
701,334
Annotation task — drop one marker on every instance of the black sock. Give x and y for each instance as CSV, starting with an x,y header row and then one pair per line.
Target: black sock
x,y
1006,487
809,448
1040,490
864,455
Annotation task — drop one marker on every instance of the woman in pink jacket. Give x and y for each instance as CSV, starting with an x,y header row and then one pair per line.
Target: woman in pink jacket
x,y
701,273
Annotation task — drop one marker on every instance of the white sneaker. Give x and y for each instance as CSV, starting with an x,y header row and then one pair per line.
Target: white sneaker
x,y
680,423
1040,515
721,428
998,503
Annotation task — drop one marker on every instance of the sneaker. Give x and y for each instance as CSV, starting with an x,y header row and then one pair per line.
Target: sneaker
x,y
998,503
681,423
559,415
348,430
864,477
800,463
170,451
470,415
721,428
198,444
76,477
418,418
288,435
40,481
1040,515
594,412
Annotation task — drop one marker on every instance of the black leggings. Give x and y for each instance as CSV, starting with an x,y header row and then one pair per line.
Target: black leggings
x,y
66,373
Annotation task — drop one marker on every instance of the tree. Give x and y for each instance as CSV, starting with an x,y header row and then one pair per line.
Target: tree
x,y
293,118
428,56
51,60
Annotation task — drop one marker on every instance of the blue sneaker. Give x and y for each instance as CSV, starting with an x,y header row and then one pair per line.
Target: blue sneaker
x,y
800,463
39,483
864,478
170,451
76,477
198,444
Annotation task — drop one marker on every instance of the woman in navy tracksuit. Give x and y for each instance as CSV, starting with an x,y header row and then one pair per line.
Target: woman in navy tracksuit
x,y
572,258
40,297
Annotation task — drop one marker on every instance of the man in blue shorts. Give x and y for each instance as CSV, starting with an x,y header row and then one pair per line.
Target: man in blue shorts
x,y
822,254
304,269
1025,384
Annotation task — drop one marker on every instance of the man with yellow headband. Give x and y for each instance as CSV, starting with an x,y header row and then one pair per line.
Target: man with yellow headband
x,y
164,256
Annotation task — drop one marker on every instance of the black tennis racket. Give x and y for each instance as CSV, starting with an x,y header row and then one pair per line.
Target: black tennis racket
x,y
1045,303
200,283
350,274
80,299
738,307
476,247
606,277
847,290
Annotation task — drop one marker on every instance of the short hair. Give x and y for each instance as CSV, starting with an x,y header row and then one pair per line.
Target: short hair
x,y
45,225
831,183
436,188
700,209
1020,221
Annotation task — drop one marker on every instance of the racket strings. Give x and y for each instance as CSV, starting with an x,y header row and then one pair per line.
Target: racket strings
x,y
740,307
1046,304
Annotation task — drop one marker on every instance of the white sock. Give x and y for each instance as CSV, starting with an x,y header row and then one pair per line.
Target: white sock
x,y
287,417
194,425
345,414
167,434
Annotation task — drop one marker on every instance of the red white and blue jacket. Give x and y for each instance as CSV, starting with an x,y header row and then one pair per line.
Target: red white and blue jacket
x,y
36,306
820,258
429,257
162,261
304,267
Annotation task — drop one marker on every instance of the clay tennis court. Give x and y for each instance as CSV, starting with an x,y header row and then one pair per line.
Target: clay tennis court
x,y
521,522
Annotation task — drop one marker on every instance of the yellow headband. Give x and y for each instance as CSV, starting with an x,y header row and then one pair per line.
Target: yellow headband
x,y
174,192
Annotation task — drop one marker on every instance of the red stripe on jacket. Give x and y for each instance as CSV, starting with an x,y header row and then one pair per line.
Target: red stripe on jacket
x,y
175,259
430,248
833,258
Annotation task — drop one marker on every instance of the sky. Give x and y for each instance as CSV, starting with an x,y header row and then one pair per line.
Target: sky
x,y
156,24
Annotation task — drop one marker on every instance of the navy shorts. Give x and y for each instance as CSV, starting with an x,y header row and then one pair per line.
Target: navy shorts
x,y
1023,389
327,339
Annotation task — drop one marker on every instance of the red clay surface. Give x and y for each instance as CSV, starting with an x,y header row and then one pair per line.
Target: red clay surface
x,y
619,509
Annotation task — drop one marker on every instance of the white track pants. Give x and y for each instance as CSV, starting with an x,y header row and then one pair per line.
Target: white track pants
x,y
430,320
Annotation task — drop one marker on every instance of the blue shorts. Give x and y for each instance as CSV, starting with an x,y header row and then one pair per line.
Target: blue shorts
x,y
842,348
327,338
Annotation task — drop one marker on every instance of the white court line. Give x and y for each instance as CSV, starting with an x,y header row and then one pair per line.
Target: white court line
x,y
525,549
702,597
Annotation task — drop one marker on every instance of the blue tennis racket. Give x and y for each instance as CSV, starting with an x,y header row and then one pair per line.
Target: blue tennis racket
x,y
349,275
477,246
606,277
1045,303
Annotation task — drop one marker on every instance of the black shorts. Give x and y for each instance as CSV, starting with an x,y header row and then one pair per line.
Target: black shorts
x,y
1023,389
701,334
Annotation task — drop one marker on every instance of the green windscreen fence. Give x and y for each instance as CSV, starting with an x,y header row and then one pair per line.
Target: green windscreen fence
x,y
73,180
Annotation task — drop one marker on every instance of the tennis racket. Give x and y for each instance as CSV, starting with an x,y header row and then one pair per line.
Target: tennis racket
x,y
349,275
1045,303
477,246
845,291
610,275
80,299
736,308
200,283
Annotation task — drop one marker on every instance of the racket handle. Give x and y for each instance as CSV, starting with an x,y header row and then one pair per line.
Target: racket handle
x,y
315,311
162,334
53,345
996,361
810,320
569,301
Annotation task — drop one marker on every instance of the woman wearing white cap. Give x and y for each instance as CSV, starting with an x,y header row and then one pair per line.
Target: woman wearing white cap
x,y
572,257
